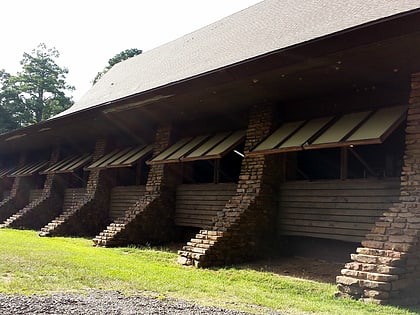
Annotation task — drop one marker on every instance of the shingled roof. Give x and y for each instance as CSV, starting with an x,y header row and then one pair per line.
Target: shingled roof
x,y
268,26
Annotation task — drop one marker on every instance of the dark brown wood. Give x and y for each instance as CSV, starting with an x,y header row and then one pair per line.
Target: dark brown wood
x,y
34,194
342,210
123,197
197,204
72,196
343,163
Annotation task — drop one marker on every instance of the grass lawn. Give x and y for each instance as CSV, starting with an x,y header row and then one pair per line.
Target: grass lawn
x,y
33,265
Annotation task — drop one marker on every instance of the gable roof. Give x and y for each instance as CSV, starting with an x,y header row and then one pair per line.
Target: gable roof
x,y
268,26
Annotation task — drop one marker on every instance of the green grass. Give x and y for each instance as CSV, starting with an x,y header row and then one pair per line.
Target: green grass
x,y
33,265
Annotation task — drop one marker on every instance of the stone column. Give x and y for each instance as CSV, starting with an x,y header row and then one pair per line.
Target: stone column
x,y
19,195
151,218
90,214
386,268
245,227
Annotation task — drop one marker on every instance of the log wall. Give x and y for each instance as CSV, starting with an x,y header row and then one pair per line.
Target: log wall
x,y
122,198
343,210
198,204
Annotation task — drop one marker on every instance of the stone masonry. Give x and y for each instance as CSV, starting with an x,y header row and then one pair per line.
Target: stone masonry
x,y
19,195
244,229
89,214
35,214
151,219
386,268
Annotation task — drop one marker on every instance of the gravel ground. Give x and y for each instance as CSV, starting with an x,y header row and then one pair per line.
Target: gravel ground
x,y
102,302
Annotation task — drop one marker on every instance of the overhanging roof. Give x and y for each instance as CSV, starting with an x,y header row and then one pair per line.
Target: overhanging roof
x,y
375,57
266,27
367,127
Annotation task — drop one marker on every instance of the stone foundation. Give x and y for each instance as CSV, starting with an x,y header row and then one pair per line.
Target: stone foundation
x,y
244,229
151,219
386,269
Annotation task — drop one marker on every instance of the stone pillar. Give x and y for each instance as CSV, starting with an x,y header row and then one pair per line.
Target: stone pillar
x,y
245,228
151,218
386,268
90,214
19,195
38,212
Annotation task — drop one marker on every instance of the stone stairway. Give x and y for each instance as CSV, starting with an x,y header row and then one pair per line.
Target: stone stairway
x,y
113,235
197,248
242,229
13,221
74,199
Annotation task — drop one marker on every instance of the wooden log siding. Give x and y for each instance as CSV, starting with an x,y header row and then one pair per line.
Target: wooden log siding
x,y
6,194
72,196
197,204
122,198
340,210
35,194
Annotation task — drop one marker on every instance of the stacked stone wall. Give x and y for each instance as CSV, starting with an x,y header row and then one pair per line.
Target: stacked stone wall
x,y
90,214
244,229
38,212
151,218
386,268
18,197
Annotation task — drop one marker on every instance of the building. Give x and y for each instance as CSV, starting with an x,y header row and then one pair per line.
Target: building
x,y
284,120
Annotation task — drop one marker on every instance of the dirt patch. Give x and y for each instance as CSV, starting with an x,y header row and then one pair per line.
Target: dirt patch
x,y
301,257
308,258
300,267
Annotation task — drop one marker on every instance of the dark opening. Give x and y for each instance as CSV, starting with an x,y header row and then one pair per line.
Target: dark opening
x,y
134,175
364,161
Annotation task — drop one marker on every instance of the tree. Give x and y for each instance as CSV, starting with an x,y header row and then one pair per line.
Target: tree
x,y
39,90
7,123
124,55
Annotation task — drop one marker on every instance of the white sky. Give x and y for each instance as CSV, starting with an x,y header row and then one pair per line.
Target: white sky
x,y
89,32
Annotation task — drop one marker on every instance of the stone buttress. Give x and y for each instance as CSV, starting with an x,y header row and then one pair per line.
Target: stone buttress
x,y
386,268
39,211
88,215
151,219
18,197
244,229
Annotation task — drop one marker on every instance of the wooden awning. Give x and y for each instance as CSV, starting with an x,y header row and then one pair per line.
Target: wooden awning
x,y
203,147
29,169
5,170
68,165
367,127
121,157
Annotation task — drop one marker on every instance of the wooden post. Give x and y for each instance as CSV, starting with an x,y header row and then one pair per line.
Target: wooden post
x,y
344,163
216,174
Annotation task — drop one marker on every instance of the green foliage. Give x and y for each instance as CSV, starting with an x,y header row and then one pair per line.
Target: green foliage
x,y
33,265
7,122
39,90
124,55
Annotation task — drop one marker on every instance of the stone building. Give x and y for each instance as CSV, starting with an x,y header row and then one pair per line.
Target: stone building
x,y
288,121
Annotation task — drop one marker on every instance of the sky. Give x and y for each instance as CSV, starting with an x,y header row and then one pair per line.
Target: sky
x,y
87,33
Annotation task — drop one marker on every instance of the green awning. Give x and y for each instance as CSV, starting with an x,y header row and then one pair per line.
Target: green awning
x,y
202,147
29,169
5,170
378,126
367,127
125,157
68,165
340,129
